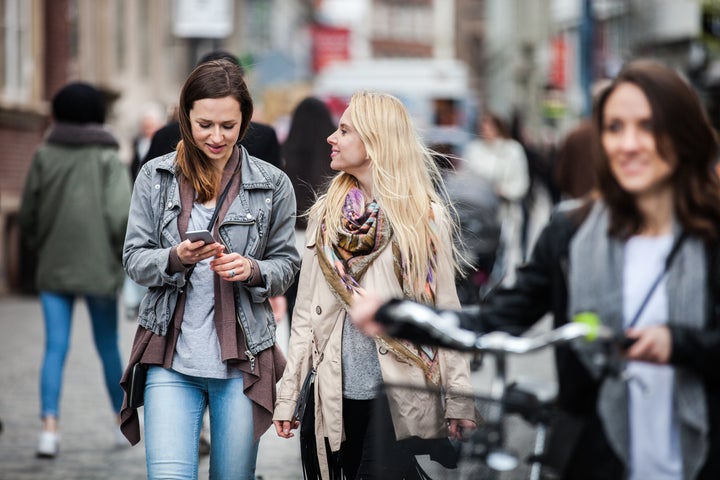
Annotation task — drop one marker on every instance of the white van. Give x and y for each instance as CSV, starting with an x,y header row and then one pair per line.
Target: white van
x,y
435,92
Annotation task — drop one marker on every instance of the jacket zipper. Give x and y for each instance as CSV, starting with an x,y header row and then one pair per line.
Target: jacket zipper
x,y
248,353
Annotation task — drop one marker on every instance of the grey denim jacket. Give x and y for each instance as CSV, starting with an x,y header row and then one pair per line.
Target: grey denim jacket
x,y
260,223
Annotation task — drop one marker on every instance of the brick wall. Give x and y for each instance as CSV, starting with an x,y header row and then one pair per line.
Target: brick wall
x,y
20,134
21,131
15,157
58,37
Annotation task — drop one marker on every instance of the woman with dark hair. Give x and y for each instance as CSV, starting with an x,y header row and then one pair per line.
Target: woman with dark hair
x,y
307,153
73,216
306,156
644,258
206,330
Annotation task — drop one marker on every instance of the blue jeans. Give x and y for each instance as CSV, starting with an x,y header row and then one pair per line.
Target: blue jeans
x,y
132,295
174,407
58,311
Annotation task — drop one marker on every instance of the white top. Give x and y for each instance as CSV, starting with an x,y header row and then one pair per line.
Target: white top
x,y
503,163
654,434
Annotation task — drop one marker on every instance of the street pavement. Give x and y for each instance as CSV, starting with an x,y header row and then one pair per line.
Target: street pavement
x,y
87,448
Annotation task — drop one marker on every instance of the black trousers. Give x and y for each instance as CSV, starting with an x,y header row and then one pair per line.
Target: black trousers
x,y
370,450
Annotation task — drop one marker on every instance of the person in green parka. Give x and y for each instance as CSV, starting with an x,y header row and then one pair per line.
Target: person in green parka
x,y
73,217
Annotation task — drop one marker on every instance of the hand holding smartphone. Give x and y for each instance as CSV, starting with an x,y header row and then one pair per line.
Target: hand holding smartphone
x,y
204,235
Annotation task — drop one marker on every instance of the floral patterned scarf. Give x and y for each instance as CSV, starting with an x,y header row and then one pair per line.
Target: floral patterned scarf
x,y
364,235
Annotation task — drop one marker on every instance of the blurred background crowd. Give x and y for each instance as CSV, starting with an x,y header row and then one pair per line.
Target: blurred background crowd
x,y
533,63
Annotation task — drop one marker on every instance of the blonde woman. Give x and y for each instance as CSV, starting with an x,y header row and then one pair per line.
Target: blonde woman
x,y
380,226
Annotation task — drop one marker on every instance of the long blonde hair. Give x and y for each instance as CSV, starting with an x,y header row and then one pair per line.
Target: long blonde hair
x,y
406,182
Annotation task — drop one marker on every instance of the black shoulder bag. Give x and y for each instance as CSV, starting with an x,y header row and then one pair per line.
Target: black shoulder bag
x,y
305,414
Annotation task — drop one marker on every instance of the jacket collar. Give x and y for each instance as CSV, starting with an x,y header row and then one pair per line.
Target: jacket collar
x,y
255,172
166,162
81,134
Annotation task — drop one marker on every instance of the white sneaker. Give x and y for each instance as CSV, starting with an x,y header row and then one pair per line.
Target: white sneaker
x,y
120,440
48,444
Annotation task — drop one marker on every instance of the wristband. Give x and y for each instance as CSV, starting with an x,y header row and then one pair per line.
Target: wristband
x,y
252,271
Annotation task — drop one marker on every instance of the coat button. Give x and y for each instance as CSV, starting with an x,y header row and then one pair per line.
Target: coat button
x,y
318,310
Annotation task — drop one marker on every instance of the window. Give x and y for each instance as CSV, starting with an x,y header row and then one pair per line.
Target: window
x,y
16,62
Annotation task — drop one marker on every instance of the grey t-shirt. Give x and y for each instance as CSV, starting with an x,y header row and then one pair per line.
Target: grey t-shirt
x,y
197,352
361,373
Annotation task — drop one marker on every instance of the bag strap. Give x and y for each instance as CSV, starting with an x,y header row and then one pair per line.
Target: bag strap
x,y
221,198
668,261
218,204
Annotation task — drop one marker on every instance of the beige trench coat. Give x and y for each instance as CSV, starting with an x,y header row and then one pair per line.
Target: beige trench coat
x,y
317,311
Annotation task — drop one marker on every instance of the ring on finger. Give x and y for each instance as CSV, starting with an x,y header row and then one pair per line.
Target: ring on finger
x,y
231,273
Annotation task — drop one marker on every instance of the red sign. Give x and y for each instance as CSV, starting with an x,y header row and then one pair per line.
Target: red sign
x,y
558,78
330,44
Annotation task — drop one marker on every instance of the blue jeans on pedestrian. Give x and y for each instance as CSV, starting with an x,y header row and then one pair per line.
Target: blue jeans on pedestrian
x,y
58,312
174,408
132,295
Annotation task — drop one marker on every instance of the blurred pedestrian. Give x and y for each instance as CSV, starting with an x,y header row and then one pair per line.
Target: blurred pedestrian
x,y
541,189
260,140
574,165
306,152
643,258
73,215
499,159
150,121
380,225
206,330
306,156
577,156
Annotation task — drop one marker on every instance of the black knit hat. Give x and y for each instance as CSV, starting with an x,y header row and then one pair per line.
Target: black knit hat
x,y
79,102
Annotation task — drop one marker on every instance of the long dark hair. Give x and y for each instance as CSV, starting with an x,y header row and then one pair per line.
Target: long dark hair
x,y
681,129
307,152
213,79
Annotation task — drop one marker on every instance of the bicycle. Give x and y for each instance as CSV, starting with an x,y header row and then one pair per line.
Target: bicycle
x,y
487,444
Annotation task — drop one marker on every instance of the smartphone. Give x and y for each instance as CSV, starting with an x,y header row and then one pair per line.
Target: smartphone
x,y
204,235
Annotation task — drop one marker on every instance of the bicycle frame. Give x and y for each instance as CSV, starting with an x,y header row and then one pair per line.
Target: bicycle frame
x,y
487,442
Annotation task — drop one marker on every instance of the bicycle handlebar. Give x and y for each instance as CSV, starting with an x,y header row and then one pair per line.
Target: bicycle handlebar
x,y
501,342
422,324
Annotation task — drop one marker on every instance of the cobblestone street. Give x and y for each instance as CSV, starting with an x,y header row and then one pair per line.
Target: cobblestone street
x,y
87,449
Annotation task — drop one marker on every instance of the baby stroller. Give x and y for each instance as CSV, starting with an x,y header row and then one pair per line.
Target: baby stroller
x,y
477,206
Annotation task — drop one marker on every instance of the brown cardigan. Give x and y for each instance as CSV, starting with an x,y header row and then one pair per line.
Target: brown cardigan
x,y
152,349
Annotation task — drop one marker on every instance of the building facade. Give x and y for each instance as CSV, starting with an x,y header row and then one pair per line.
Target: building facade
x,y
138,52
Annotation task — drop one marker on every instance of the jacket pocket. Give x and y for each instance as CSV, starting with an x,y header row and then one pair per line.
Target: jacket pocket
x,y
261,235
241,235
